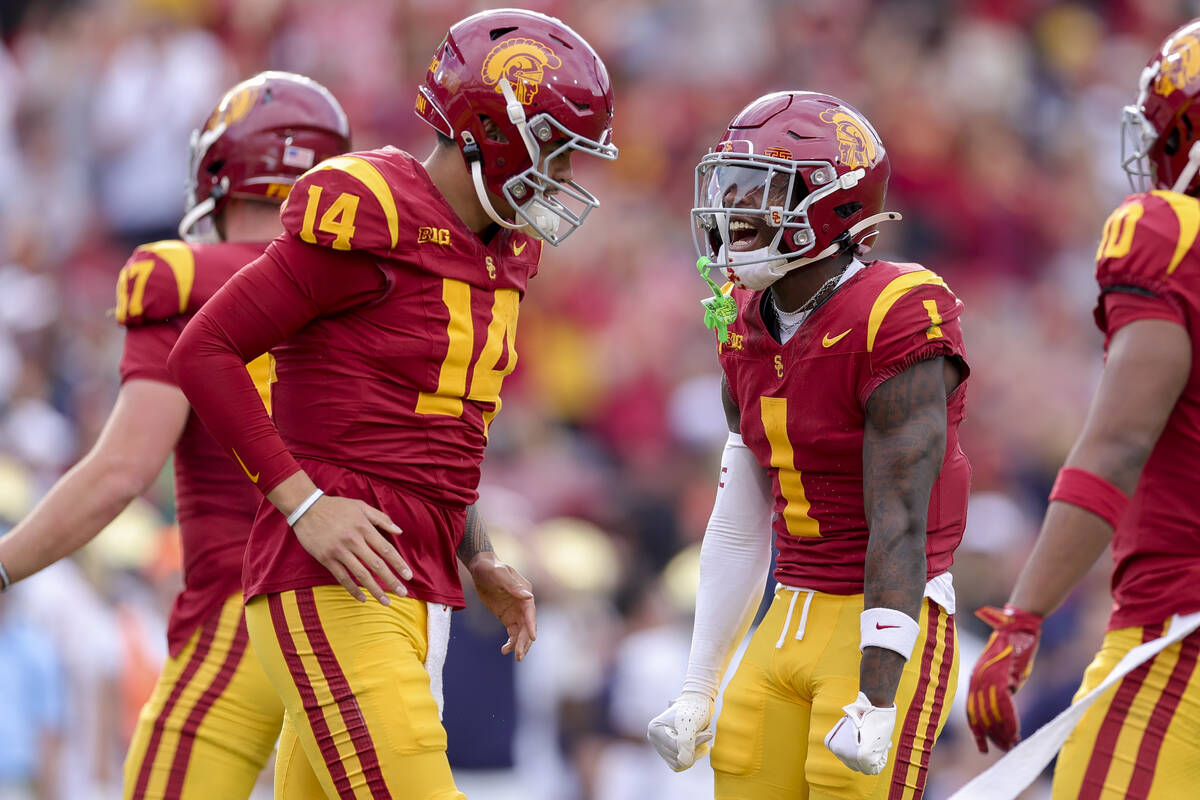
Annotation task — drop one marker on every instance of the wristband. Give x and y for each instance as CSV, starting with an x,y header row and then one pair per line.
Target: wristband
x,y
1090,492
888,628
5,580
300,510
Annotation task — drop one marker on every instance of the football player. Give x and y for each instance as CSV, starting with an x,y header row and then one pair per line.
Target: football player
x,y
1129,479
390,304
843,386
213,718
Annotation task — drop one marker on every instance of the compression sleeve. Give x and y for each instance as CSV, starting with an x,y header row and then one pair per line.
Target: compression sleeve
x,y
734,560
261,306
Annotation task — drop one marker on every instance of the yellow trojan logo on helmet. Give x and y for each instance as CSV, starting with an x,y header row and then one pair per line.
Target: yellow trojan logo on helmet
x,y
1180,67
857,145
235,105
524,62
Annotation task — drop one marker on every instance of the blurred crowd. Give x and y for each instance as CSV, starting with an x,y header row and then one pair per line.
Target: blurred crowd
x,y
1001,121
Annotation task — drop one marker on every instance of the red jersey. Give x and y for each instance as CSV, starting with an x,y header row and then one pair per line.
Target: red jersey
x,y
803,413
1148,268
160,287
393,327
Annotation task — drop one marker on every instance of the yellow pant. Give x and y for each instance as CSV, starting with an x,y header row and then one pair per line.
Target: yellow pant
x,y
361,721
1141,739
211,722
800,669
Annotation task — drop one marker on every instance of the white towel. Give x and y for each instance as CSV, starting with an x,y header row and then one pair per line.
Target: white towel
x,y
437,632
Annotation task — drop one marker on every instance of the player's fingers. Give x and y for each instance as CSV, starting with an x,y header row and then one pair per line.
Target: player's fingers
x,y
529,618
343,577
380,520
354,562
389,554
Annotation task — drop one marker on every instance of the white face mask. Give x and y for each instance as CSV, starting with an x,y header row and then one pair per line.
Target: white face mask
x,y
752,269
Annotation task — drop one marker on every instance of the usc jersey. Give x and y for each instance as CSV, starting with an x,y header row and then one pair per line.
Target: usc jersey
x,y
158,290
392,324
803,412
1147,267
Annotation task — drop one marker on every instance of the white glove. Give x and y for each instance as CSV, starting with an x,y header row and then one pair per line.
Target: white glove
x,y
681,733
861,739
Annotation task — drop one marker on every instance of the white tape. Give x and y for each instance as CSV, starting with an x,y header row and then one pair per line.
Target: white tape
x,y
1009,776
437,632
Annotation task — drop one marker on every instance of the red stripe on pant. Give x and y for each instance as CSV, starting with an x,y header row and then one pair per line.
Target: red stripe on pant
x,y
316,718
912,720
203,645
1114,719
1160,719
187,737
939,698
352,716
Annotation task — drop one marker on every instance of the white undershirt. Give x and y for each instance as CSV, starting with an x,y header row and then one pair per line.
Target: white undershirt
x,y
790,321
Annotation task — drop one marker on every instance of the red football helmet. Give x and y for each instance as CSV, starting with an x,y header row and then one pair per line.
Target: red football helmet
x,y
536,81
1159,144
800,174
264,134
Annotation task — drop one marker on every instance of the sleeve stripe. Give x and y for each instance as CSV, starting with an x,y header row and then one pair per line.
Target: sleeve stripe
x,y
369,176
891,294
182,261
1187,210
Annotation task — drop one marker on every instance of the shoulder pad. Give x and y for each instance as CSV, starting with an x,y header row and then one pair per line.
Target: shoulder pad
x,y
1147,239
344,203
916,302
156,283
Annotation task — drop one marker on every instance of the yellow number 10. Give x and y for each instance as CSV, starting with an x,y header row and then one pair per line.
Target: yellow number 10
x,y
486,380
1118,231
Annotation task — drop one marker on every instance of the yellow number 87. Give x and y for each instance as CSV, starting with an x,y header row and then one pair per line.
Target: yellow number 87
x,y
1118,231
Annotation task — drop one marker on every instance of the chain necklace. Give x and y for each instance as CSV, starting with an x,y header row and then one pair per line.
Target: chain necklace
x,y
789,321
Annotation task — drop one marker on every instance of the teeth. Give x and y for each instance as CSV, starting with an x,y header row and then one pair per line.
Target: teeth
x,y
738,225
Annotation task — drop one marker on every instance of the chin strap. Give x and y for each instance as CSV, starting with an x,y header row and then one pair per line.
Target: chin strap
x,y
485,201
834,247
194,215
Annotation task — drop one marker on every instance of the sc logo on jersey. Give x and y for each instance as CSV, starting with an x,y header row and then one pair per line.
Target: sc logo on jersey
x,y
440,236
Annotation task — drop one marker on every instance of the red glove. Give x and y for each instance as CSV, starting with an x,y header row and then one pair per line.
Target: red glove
x,y
1000,671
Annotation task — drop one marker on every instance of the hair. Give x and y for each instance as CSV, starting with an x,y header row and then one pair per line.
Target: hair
x,y
443,140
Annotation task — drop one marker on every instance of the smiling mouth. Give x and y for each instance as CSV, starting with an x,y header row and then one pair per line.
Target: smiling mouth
x,y
744,234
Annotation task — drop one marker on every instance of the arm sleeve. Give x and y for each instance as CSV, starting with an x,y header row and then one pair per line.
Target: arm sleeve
x,y
266,302
146,349
734,560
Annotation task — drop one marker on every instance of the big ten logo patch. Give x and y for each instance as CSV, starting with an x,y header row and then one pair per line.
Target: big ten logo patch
x,y
440,236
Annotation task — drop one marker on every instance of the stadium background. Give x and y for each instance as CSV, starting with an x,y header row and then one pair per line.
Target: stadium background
x,y
1001,120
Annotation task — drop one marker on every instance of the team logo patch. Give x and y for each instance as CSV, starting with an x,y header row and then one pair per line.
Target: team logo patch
x,y
858,145
234,106
524,62
1180,67
778,152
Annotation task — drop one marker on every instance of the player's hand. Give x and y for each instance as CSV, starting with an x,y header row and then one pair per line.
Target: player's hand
x,y
681,734
1000,671
344,535
862,737
508,595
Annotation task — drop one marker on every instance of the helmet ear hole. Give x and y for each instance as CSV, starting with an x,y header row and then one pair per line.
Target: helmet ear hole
x,y
847,210
492,130
216,166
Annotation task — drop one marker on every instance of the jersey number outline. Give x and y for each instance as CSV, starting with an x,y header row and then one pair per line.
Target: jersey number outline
x,y
486,379
791,486
131,299
1117,238
338,219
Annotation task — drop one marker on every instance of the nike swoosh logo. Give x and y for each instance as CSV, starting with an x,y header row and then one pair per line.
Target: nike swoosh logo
x,y
878,627
253,476
830,341
518,249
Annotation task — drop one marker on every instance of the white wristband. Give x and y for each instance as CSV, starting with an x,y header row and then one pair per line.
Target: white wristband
x,y
300,510
888,628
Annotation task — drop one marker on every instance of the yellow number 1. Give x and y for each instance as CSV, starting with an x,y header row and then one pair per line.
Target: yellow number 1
x,y
795,513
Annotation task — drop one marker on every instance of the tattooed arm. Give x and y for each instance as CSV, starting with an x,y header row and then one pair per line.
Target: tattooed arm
x,y
505,592
475,537
903,446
